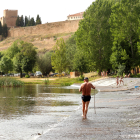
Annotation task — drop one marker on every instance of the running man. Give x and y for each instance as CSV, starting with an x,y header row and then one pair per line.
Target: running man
x,y
86,95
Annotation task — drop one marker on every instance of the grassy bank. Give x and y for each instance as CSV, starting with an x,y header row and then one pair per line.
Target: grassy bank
x,y
10,82
60,81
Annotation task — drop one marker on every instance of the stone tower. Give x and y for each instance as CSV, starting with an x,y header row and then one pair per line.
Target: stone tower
x,y
9,17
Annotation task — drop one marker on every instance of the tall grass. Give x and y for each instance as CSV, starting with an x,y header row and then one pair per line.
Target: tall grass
x,y
66,84
10,82
46,81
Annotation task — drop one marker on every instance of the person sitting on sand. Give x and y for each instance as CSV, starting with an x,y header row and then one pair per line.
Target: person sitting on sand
x,y
128,75
86,95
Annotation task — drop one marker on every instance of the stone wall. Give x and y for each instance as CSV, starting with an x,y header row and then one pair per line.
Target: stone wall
x,y
45,29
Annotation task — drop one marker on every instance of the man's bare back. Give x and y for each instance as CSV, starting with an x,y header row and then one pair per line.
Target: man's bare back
x,y
86,88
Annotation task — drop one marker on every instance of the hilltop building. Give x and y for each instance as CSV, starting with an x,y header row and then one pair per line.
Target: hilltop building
x,y
9,17
77,16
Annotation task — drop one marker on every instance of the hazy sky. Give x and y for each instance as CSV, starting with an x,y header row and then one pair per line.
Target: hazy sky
x,y
48,10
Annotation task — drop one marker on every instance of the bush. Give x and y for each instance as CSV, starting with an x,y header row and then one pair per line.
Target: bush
x,y
46,81
66,84
10,82
27,76
81,78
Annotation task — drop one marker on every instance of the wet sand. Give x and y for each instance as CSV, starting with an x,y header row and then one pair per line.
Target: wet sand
x,y
117,116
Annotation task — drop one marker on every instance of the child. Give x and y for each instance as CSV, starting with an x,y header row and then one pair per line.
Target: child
x,y
117,80
121,80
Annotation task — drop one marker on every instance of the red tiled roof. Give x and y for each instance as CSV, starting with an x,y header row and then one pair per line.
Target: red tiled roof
x,y
77,14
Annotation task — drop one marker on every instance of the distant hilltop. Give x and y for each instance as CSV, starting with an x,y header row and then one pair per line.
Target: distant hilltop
x,y
41,35
10,17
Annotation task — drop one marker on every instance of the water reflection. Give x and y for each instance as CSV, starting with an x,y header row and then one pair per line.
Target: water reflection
x,y
15,101
32,109
22,100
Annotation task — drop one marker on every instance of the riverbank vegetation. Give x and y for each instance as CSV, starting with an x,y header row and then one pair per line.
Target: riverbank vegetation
x,y
60,81
10,82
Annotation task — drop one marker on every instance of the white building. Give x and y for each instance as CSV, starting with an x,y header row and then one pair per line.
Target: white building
x,y
75,16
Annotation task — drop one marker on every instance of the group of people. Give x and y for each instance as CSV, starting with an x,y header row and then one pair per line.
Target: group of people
x,y
120,80
103,74
127,76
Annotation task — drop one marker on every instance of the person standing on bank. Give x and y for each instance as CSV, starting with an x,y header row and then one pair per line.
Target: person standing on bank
x,y
86,95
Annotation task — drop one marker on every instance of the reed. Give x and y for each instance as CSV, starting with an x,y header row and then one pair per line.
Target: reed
x,y
66,84
10,82
46,81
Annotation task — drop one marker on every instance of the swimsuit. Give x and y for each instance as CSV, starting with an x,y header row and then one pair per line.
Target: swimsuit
x,y
86,98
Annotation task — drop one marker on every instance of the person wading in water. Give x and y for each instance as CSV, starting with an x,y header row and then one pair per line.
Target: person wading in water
x,y
86,95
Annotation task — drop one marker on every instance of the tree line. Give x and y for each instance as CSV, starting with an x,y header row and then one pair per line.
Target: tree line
x,y
22,57
107,38
22,22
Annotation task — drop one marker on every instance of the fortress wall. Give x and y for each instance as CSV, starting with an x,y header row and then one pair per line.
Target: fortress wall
x,y
45,29
11,22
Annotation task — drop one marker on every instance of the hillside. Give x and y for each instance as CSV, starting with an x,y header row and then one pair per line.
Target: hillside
x,y
42,42
43,36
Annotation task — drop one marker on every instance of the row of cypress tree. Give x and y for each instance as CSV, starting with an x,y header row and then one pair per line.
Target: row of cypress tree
x,y
22,22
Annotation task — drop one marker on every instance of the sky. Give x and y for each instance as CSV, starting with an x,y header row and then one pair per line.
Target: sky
x,y
48,10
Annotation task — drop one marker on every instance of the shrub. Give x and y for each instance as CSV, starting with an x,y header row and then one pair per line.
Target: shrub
x,y
46,81
66,84
81,78
10,82
27,76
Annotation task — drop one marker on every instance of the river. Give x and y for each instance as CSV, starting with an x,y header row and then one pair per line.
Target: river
x,y
31,110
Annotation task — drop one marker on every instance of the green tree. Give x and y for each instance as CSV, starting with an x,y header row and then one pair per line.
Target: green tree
x,y
23,55
18,21
44,63
124,23
22,21
5,30
58,58
32,22
29,56
70,51
13,49
38,20
17,63
120,70
6,64
26,21
94,36
80,62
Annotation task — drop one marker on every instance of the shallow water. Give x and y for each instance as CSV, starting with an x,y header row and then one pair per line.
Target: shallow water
x,y
26,112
